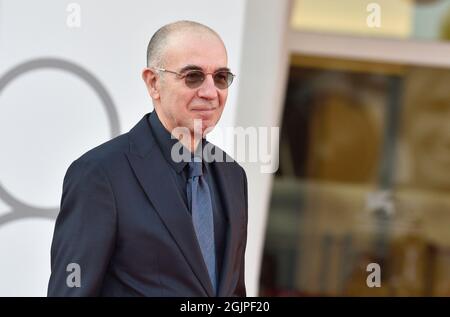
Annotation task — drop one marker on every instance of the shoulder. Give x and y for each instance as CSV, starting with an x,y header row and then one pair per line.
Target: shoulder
x,y
101,158
107,150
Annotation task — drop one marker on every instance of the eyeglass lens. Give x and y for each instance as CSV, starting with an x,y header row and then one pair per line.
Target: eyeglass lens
x,y
195,78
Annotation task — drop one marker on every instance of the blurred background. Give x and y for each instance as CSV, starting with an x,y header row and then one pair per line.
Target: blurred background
x,y
364,171
360,90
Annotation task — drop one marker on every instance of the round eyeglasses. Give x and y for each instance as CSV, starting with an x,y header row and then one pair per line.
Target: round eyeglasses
x,y
195,78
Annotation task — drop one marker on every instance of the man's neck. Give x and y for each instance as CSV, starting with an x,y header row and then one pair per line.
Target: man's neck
x,y
191,143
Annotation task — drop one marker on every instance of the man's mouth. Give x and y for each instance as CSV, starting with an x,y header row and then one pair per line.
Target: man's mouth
x,y
203,109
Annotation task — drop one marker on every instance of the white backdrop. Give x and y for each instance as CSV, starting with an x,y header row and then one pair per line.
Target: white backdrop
x,y
49,115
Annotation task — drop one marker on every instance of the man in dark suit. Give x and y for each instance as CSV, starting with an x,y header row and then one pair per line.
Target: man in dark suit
x,y
137,221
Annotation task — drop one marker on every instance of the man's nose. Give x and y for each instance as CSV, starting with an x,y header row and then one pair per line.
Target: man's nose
x,y
208,90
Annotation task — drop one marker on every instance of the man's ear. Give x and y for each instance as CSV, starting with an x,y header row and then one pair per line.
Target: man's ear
x,y
151,80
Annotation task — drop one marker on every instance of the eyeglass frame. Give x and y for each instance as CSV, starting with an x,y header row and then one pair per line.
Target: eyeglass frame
x,y
183,75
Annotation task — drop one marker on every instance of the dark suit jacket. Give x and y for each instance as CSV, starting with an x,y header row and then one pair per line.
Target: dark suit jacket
x,y
125,225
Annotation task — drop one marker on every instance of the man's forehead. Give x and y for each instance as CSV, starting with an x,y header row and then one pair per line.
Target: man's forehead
x,y
203,50
198,67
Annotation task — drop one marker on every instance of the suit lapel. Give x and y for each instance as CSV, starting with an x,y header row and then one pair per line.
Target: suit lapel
x,y
224,173
152,171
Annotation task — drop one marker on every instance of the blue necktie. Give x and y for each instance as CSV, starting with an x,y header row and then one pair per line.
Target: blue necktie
x,y
199,199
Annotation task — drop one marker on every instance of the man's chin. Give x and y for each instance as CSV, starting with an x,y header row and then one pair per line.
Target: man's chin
x,y
205,122
205,115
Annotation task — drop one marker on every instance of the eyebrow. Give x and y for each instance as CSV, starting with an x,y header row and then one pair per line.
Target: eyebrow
x,y
195,67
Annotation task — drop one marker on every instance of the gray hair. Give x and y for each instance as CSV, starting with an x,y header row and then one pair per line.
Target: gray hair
x,y
159,40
